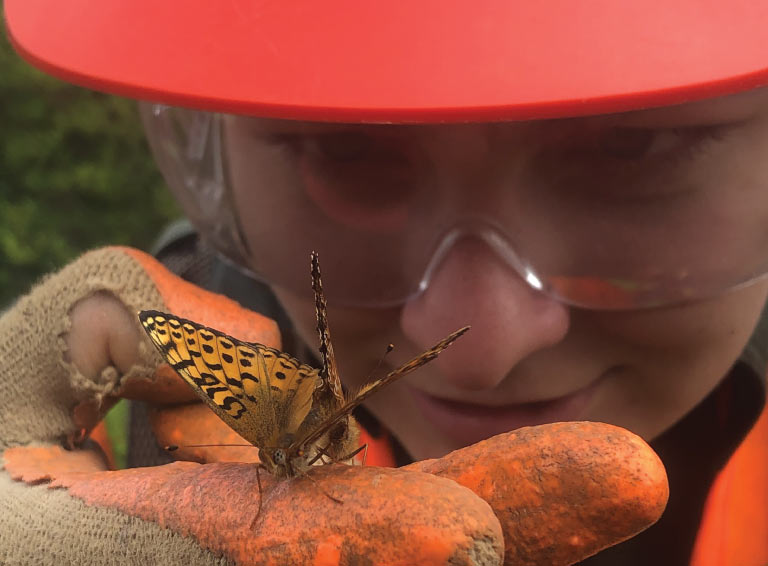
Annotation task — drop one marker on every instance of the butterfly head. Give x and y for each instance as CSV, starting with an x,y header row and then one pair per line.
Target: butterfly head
x,y
279,457
282,462
270,457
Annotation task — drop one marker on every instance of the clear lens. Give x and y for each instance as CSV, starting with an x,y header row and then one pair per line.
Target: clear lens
x,y
186,145
621,218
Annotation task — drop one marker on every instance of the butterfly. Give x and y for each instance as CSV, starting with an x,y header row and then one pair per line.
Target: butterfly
x,y
295,414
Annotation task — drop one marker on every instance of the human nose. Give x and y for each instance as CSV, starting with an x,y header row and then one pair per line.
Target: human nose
x,y
509,319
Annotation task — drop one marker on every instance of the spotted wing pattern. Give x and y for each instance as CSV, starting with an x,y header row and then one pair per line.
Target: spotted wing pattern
x,y
261,393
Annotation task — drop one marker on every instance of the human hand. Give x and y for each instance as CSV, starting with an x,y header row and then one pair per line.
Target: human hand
x,y
73,346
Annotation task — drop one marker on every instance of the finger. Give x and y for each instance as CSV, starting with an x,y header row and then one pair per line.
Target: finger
x,y
186,427
386,516
562,491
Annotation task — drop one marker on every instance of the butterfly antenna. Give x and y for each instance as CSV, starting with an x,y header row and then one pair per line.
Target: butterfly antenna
x,y
174,447
390,347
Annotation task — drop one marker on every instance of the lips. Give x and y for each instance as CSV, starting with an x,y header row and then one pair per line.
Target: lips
x,y
467,423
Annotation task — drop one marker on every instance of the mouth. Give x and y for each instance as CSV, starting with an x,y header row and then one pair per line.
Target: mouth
x,y
468,423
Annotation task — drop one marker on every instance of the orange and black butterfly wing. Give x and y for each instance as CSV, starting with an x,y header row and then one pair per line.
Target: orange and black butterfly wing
x,y
260,392
371,388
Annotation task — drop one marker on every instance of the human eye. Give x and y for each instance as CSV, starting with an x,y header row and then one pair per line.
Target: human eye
x,y
653,146
635,156
354,176
616,150
344,147
631,164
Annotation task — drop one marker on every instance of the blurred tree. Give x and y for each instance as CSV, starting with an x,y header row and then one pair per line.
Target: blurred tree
x,y
75,173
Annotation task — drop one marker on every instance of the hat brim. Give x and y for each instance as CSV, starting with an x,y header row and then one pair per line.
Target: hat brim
x,y
418,61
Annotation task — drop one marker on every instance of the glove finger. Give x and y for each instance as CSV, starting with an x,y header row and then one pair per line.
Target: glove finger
x,y
184,425
562,491
334,515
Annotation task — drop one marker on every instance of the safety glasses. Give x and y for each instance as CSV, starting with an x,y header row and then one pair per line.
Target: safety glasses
x,y
610,217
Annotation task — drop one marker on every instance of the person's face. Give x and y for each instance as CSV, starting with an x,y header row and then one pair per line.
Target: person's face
x,y
528,359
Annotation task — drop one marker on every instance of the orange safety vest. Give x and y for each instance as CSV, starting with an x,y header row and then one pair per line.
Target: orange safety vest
x,y
379,452
734,529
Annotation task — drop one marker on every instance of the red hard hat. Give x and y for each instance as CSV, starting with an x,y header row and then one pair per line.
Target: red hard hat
x,y
415,61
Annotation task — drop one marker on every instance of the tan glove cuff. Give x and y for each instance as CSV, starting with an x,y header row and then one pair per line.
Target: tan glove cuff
x,y
48,527
39,387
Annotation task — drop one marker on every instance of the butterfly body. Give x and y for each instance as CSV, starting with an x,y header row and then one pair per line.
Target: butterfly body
x,y
342,438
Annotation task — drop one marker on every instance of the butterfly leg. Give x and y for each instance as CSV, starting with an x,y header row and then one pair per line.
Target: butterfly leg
x,y
258,482
355,452
328,495
320,453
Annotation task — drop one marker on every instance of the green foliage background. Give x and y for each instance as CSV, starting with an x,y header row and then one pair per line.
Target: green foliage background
x,y
75,173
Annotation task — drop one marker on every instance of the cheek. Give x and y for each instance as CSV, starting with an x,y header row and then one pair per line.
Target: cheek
x,y
673,358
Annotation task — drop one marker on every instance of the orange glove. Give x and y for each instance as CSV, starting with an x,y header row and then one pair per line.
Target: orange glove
x,y
544,495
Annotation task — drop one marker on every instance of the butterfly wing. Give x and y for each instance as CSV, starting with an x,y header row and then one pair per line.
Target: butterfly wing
x,y
371,388
343,437
259,392
331,384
